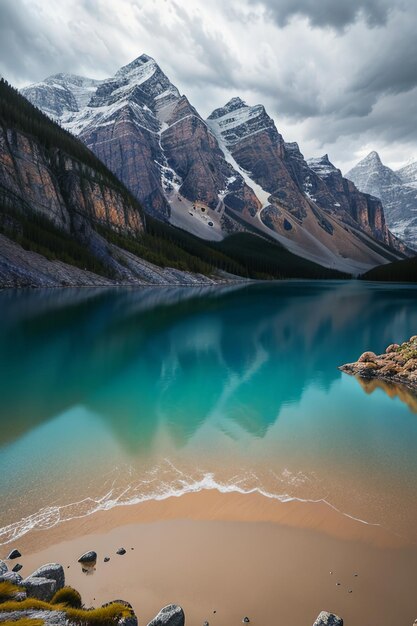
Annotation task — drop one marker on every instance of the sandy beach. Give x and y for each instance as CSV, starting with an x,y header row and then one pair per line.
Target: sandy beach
x,y
224,556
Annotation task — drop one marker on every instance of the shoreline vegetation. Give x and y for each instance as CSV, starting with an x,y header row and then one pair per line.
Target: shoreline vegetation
x,y
43,598
397,365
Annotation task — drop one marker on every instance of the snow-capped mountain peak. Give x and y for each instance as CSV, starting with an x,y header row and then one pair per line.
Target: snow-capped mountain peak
x,y
139,70
322,166
397,190
62,94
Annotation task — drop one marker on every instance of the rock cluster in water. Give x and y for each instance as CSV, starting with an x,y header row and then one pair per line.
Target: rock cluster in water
x,y
49,579
397,365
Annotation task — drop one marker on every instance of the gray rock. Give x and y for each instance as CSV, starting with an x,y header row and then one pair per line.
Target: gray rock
x,y
51,571
121,551
170,615
39,588
328,619
49,618
17,567
12,577
128,621
106,559
3,567
88,557
14,554
246,620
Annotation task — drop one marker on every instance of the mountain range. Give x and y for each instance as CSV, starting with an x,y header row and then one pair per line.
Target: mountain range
x,y
397,191
213,177
66,219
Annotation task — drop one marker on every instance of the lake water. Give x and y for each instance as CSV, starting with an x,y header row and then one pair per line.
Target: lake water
x,y
117,396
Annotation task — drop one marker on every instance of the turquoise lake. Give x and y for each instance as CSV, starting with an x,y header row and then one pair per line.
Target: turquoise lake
x,y
117,396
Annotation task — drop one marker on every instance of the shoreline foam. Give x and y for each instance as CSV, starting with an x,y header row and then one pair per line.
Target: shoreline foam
x,y
49,517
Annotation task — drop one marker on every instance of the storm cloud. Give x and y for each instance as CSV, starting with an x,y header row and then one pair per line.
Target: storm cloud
x,y
338,76
336,14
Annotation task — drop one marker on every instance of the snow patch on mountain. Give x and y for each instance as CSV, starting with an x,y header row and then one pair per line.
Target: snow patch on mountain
x,y
214,123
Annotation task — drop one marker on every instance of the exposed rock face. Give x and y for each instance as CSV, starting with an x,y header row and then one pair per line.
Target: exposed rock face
x,y
171,615
315,210
251,137
397,191
397,365
328,619
348,202
62,189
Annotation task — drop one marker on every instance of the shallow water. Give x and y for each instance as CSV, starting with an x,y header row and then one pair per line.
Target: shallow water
x,y
116,396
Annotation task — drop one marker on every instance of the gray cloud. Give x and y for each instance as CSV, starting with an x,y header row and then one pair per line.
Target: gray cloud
x,y
337,75
334,13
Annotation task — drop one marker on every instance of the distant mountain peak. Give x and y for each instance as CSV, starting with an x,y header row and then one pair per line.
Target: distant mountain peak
x,y
372,158
397,191
322,165
234,104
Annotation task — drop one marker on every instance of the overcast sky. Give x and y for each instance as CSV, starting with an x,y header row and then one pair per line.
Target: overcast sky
x,y
338,76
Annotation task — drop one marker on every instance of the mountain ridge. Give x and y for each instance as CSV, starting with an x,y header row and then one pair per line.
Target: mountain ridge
x,y
66,220
396,189
230,172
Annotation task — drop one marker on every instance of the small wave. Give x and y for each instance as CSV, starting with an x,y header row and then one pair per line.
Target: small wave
x,y
183,484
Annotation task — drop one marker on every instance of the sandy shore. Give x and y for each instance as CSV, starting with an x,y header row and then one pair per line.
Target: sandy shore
x,y
236,555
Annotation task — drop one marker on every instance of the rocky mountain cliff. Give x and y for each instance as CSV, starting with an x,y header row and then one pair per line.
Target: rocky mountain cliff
x,y
231,172
149,135
397,191
308,203
64,217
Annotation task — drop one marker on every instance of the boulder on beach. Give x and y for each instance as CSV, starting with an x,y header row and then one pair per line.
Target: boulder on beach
x,y
51,571
17,567
328,619
170,615
40,588
88,558
121,551
14,554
